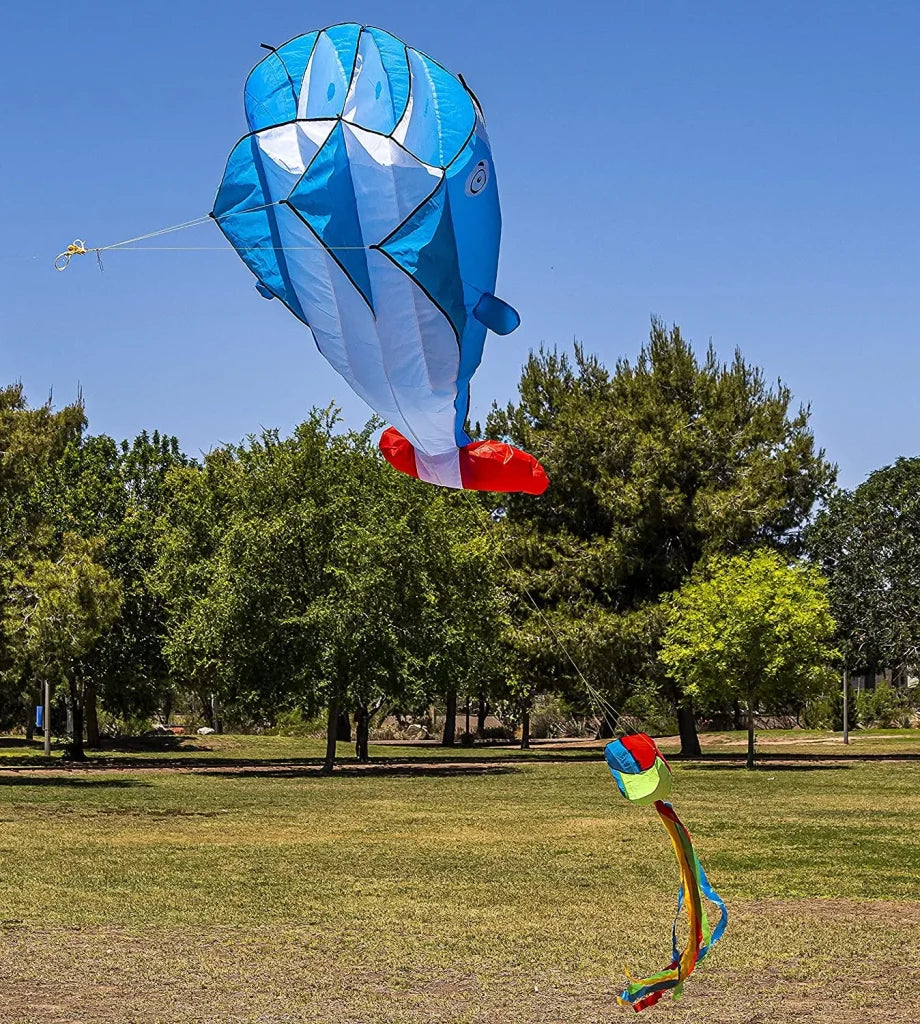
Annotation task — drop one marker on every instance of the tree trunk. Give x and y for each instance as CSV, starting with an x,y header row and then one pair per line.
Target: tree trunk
x,y
208,710
168,706
343,727
362,730
737,717
525,730
482,710
450,720
30,719
218,725
686,724
605,728
750,725
77,753
92,717
332,721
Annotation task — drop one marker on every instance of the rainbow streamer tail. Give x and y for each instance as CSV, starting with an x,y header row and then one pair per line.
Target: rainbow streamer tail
x,y
643,992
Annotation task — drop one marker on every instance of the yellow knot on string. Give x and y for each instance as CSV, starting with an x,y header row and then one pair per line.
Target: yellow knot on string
x,y
76,248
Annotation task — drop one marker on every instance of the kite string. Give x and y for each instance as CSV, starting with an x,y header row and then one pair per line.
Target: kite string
x,y
79,248
601,704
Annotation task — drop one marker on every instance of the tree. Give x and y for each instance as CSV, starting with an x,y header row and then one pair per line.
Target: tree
x,y
867,543
751,628
304,573
114,492
652,468
61,608
31,440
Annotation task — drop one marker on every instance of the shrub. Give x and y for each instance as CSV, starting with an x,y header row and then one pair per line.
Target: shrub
x,y
884,707
647,711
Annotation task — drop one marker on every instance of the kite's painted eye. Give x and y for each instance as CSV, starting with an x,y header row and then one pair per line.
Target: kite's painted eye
x,y
478,179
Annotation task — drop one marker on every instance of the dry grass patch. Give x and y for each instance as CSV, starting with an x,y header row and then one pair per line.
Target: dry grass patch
x,y
465,897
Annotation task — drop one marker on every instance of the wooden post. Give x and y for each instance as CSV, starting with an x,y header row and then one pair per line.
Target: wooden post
x,y
46,718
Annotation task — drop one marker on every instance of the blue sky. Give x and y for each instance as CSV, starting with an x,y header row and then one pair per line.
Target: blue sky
x,y
748,171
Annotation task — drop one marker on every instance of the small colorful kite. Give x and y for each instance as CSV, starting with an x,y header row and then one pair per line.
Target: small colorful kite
x,y
644,777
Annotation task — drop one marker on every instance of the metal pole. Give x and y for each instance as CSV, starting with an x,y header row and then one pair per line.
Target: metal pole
x,y
846,697
46,718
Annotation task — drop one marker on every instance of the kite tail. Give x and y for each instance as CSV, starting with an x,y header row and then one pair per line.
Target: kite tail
x,y
694,885
478,466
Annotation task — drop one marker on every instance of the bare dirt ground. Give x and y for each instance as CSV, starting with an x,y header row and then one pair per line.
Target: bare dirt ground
x,y
221,975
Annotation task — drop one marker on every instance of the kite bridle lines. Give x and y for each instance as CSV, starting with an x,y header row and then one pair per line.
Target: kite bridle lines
x,y
640,993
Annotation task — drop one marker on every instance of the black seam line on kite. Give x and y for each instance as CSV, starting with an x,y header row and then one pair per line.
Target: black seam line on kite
x,y
399,227
466,88
408,89
331,251
287,73
258,64
473,96
469,313
437,305
459,152
405,109
312,159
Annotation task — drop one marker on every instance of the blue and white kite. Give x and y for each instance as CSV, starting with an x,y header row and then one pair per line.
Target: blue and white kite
x,y
364,198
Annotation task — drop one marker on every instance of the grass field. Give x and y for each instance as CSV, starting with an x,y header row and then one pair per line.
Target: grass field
x,y
487,889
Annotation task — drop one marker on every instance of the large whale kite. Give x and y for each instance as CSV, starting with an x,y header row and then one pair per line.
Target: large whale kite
x,y
364,198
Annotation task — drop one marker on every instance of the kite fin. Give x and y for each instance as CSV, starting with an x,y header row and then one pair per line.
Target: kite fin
x,y
496,314
478,466
266,293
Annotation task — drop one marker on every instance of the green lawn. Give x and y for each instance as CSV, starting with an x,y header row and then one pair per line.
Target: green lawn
x,y
478,891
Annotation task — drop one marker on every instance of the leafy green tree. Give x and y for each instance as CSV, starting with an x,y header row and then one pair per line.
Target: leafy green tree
x,y
61,608
187,578
867,543
100,489
750,628
652,468
303,573
31,440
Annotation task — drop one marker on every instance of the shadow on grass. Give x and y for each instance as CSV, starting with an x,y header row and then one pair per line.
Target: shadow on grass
x,y
100,762
162,743
419,770
68,782
767,766
771,758
20,741
447,763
